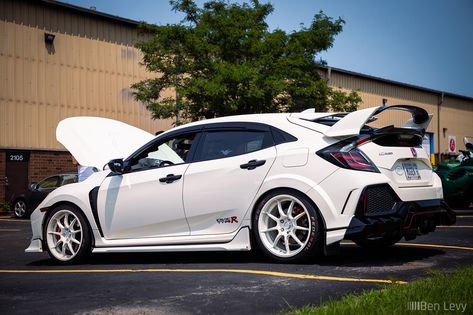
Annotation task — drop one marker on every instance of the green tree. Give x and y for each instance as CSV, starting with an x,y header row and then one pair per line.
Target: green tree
x,y
223,60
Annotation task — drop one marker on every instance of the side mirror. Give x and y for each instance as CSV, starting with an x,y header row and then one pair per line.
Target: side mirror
x,y
116,166
34,186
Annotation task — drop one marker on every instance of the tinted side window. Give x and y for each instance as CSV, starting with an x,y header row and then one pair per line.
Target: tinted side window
x,y
170,151
69,179
222,144
50,182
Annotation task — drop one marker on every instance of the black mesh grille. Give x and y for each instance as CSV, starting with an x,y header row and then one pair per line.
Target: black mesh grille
x,y
379,200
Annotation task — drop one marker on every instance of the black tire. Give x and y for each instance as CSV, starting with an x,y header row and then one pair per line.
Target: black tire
x,y
380,242
20,208
313,240
83,250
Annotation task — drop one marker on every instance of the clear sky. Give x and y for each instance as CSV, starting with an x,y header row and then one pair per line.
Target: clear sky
x,y
422,42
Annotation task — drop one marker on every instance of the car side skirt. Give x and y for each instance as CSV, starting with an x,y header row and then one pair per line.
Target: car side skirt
x,y
241,242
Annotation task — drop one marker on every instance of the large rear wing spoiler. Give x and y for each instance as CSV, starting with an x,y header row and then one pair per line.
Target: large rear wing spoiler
x,y
352,123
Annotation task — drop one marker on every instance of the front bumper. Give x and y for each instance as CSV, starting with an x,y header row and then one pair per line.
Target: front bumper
x,y
36,246
408,218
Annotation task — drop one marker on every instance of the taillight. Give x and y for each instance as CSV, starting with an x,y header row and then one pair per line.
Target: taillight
x,y
347,155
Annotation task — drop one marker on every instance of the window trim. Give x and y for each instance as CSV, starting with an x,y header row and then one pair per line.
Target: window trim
x,y
277,137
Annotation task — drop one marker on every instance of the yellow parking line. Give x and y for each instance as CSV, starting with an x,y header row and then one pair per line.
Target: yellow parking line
x,y
15,220
10,230
244,271
435,246
456,226
422,245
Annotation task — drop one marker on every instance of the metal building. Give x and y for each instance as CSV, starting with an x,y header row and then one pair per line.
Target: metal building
x,y
452,114
58,60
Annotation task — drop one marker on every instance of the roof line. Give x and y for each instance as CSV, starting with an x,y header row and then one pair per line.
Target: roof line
x,y
90,12
136,23
402,84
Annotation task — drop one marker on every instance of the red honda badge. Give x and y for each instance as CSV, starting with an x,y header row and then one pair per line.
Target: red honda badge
x,y
414,152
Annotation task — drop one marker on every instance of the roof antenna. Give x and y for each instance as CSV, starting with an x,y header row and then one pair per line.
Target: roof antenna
x,y
93,8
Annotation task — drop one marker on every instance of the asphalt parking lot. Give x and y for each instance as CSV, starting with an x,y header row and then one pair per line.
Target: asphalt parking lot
x,y
211,283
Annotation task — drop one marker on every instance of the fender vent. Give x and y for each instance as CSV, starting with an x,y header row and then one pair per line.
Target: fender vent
x,y
93,195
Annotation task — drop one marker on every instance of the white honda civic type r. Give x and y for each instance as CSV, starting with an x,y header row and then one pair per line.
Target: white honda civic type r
x,y
294,185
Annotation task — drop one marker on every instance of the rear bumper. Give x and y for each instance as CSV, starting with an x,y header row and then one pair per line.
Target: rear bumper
x,y
408,218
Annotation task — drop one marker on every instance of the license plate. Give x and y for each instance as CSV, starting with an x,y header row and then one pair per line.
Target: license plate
x,y
411,171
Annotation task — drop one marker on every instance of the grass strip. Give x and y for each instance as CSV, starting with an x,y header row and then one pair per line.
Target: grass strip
x,y
439,293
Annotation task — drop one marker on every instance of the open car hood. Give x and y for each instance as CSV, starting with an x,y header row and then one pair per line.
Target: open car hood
x,y
94,141
352,123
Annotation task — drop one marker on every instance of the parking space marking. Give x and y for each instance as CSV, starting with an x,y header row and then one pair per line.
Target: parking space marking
x,y
15,220
456,226
422,245
242,271
10,230
435,246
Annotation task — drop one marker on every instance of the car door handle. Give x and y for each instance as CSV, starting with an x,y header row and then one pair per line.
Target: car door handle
x,y
251,165
170,178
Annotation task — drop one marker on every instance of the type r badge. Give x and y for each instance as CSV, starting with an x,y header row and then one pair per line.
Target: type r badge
x,y
414,152
227,220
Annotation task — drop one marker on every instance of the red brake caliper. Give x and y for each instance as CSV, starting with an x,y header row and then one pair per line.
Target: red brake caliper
x,y
297,210
58,230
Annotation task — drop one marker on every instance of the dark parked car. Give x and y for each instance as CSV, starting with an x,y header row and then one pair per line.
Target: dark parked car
x,y
24,203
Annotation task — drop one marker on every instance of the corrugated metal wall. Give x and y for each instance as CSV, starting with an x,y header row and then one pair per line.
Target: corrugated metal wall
x,y
456,114
78,76
57,18
92,64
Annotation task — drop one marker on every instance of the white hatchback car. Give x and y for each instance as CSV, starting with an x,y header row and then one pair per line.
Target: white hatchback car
x,y
295,185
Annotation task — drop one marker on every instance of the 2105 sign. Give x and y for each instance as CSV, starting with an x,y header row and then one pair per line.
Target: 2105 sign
x,y
18,156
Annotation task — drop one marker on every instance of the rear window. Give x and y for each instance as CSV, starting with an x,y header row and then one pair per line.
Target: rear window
x,y
404,113
332,120
396,137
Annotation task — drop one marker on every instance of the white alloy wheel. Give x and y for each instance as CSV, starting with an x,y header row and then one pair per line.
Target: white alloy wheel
x,y
64,235
19,208
284,226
